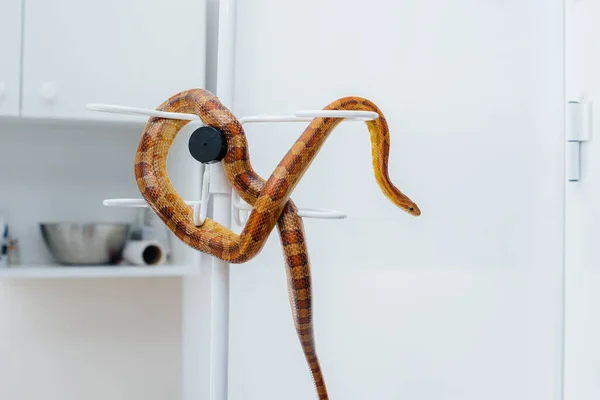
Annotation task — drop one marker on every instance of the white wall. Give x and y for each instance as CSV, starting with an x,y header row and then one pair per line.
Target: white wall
x,y
93,339
463,302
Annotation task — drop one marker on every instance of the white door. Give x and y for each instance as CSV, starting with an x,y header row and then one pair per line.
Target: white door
x,y
463,302
10,59
129,52
582,344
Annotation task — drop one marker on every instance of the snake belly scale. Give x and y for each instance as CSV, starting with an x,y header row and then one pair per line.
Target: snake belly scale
x,y
269,198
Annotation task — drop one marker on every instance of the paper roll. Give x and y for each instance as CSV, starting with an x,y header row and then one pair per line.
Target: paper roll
x,y
144,252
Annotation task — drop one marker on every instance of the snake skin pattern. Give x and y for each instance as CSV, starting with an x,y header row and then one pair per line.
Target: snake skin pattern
x,y
270,199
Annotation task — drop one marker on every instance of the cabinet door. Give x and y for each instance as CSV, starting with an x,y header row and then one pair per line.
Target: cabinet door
x,y
129,52
10,60
582,269
463,302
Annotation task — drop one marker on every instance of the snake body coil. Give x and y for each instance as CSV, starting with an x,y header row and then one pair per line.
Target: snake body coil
x,y
270,199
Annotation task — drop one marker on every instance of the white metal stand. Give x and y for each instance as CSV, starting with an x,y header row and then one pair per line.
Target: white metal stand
x,y
206,296
214,340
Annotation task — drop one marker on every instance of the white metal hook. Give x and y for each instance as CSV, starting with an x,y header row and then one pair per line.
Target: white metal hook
x,y
201,207
237,207
309,115
110,108
319,213
357,115
133,203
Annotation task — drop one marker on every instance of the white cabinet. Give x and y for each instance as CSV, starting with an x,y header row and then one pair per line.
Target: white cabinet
x,y
10,58
582,269
463,302
130,52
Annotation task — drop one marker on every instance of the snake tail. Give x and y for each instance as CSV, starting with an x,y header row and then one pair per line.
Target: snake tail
x,y
291,233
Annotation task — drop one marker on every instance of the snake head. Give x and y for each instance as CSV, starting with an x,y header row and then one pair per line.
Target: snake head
x,y
406,204
394,194
414,210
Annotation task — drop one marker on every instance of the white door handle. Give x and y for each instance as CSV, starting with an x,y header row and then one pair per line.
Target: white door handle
x,y
578,130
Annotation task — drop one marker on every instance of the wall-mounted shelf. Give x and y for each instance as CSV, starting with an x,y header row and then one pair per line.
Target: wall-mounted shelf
x,y
121,271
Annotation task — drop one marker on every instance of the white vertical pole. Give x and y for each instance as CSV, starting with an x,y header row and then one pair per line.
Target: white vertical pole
x,y
221,195
219,351
206,297
226,51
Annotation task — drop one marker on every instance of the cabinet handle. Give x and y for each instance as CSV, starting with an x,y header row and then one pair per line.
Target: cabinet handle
x,y
2,90
48,91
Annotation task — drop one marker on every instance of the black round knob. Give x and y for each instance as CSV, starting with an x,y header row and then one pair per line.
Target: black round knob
x,y
208,145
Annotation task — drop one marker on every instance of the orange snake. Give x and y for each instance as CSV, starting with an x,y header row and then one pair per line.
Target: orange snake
x,y
270,199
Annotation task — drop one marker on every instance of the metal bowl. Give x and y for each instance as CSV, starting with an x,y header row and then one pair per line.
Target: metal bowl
x,y
85,243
